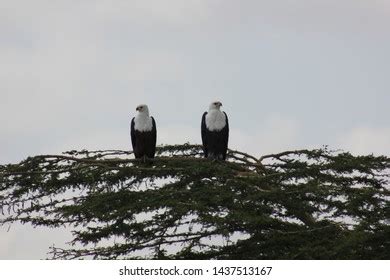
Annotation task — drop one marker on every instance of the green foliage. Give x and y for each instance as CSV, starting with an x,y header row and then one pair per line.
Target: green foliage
x,y
305,204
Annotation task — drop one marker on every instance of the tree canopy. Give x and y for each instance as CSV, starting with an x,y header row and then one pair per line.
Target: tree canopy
x,y
303,204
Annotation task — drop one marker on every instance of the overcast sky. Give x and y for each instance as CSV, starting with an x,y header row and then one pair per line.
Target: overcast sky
x,y
290,74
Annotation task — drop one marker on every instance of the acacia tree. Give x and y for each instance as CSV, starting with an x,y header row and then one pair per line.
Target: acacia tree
x,y
303,204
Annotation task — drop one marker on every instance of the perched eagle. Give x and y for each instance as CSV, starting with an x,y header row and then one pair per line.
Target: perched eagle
x,y
143,133
215,132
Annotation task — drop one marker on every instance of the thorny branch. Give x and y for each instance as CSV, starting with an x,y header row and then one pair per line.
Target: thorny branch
x,y
292,204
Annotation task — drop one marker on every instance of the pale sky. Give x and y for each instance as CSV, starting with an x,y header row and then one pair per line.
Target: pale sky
x,y
290,74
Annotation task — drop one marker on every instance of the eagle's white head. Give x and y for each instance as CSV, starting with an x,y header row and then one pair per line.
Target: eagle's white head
x,y
216,105
215,118
142,121
143,109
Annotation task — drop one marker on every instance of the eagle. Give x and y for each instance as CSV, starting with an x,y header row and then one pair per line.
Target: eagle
x,y
215,132
143,133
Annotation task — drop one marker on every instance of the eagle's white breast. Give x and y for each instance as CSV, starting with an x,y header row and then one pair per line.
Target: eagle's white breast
x,y
143,123
215,120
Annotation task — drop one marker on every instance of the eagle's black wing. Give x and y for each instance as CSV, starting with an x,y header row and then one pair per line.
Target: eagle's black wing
x,y
132,134
225,137
154,138
204,135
